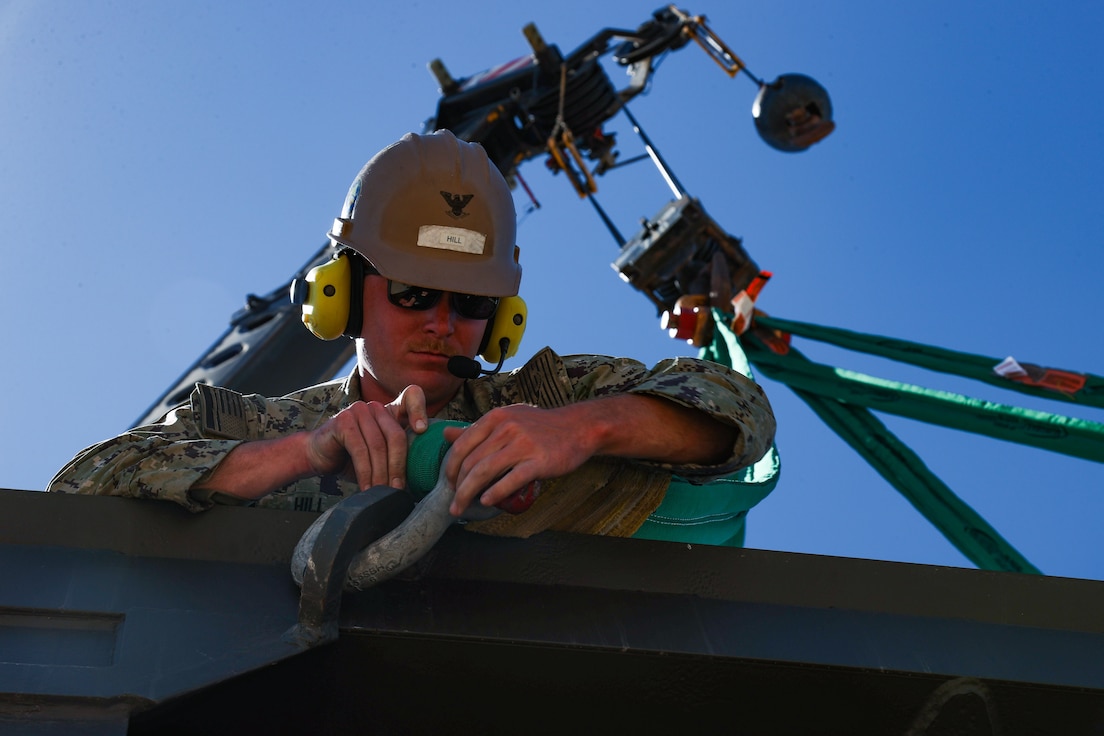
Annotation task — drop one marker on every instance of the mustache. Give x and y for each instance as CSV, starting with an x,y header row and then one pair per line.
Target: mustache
x,y
441,347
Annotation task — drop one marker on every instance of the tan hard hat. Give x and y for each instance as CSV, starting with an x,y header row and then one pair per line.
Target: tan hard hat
x,y
434,211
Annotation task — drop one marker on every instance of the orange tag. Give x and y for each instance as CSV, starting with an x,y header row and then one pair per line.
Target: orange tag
x,y
1029,374
743,304
1063,381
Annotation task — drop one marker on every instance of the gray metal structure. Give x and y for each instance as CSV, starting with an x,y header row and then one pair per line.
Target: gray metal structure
x,y
130,617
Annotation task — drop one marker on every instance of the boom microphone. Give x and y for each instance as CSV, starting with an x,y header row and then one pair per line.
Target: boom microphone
x,y
464,367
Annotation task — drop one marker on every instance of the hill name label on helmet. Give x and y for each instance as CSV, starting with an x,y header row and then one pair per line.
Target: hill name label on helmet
x,y
451,238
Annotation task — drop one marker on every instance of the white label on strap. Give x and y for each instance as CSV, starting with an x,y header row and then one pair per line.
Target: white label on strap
x,y
1009,368
451,238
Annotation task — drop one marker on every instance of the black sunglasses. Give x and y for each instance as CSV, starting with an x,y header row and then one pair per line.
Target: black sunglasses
x,y
469,306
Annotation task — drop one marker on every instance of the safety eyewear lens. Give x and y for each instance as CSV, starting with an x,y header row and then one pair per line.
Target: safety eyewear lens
x,y
469,306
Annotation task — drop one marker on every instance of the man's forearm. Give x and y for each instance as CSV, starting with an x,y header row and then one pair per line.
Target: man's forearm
x,y
653,428
254,469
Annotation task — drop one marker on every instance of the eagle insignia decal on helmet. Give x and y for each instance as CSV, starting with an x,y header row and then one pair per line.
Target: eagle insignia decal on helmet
x,y
457,202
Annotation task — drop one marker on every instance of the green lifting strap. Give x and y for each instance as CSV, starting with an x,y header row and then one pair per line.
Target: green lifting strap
x,y
715,513
969,365
901,467
841,399
725,348
960,524
1053,432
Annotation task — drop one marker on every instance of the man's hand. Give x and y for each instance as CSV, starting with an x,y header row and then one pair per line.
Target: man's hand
x,y
367,442
511,446
507,449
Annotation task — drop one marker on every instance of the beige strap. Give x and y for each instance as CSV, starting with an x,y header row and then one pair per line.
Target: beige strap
x,y
605,496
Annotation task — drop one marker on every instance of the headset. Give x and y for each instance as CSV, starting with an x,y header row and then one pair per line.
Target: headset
x,y
332,299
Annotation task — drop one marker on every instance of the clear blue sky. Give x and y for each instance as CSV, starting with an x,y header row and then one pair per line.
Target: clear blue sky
x,y
159,161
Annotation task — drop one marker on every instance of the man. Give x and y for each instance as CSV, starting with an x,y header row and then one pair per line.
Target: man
x,y
426,259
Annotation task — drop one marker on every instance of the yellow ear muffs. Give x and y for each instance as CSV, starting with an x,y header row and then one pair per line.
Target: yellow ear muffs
x,y
508,322
332,300
332,297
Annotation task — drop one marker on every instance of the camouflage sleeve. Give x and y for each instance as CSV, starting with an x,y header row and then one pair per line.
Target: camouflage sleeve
x,y
155,461
165,459
712,388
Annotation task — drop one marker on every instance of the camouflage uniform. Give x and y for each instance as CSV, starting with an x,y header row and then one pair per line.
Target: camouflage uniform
x,y
164,460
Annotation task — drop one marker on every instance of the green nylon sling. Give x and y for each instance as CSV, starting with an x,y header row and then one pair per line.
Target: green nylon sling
x,y
842,399
716,512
